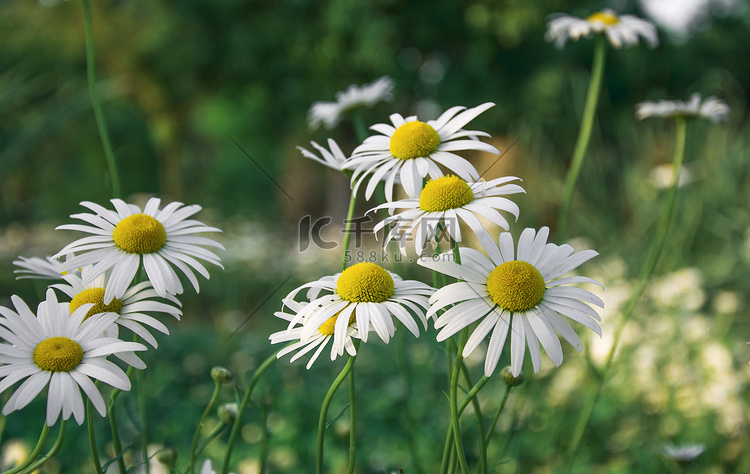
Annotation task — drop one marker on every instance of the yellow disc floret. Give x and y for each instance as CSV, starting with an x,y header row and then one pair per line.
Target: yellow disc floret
x,y
414,139
609,19
365,283
96,296
516,286
448,192
140,233
327,328
58,354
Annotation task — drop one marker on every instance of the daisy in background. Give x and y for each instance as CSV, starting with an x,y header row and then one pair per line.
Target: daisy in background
x,y
333,159
129,308
685,453
713,109
409,150
317,340
365,295
620,30
331,113
127,237
447,200
521,292
46,268
61,349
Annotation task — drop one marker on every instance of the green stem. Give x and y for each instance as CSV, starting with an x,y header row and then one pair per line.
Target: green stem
x,y
96,103
92,437
117,444
243,406
359,126
584,133
455,416
491,431
477,414
352,424
648,269
324,412
197,434
39,445
141,394
470,397
52,452
216,432
264,438
348,229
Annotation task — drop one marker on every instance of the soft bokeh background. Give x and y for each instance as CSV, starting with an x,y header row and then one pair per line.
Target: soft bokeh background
x,y
183,79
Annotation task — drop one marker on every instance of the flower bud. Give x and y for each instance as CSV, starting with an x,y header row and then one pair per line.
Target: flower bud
x,y
167,456
228,413
221,375
510,380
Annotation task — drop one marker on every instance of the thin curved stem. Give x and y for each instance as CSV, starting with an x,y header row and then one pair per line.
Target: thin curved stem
x,y
584,133
197,434
34,453
141,395
241,411
471,396
352,424
96,103
491,430
348,229
116,443
52,452
92,437
324,412
455,416
648,269
216,432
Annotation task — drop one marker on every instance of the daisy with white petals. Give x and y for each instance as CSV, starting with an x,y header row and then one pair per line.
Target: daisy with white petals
x,y
38,268
317,341
130,308
447,200
713,109
61,349
620,30
522,292
333,159
365,294
409,150
126,237
331,113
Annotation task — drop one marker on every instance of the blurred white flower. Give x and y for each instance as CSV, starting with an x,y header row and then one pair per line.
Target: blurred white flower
x,y
46,268
662,176
621,30
332,159
331,113
713,109
685,452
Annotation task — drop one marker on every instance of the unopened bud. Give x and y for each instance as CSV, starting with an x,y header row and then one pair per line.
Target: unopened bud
x,y
167,456
221,375
510,380
228,413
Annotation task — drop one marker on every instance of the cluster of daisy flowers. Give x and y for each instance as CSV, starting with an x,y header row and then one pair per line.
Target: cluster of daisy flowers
x,y
516,294
63,345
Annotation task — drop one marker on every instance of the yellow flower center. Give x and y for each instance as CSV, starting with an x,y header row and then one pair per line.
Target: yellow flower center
x,y
96,296
58,354
516,286
327,328
365,283
448,192
609,19
140,233
414,139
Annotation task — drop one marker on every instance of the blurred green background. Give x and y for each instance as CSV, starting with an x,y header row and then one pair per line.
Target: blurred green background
x,y
183,79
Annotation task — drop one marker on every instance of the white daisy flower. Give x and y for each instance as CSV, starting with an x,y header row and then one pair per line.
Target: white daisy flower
x,y
684,453
124,238
621,30
521,292
368,293
447,200
409,150
46,268
318,340
207,468
333,159
331,113
58,348
713,109
129,308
